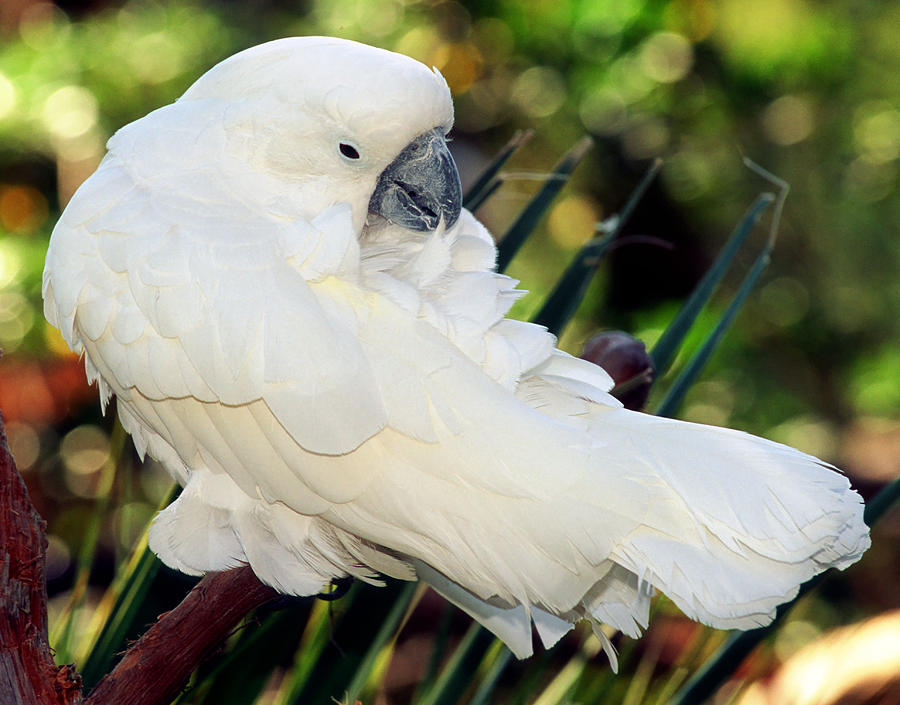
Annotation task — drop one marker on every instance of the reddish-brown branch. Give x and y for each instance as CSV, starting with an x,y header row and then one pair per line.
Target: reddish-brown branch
x,y
152,671
28,674
156,668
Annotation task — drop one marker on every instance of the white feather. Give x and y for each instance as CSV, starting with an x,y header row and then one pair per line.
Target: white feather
x,y
348,399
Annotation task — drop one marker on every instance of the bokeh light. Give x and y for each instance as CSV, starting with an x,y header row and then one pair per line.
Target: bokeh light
x,y
23,209
16,319
784,301
7,96
789,119
10,264
157,57
460,63
876,132
711,402
857,664
24,444
572,220
539,91
130,520
646,137
667,57
70,112
688,173
84,452
42,25
604,111
811,434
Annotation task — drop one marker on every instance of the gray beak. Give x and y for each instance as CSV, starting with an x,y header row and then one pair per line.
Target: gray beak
x,y
420,186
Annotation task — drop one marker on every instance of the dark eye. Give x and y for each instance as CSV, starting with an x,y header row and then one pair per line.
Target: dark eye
x,y
348,150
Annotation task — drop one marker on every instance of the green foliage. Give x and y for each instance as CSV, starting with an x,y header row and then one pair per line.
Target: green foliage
x,y
572,286
490,178
121,604
528,219
666,347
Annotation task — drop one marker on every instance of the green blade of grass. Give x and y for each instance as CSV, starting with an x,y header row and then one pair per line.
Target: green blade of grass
x,y
455,677
141,571
486,183
438,647
239,675
121,604
663,353
571,287
347,643
528,219
720,667
496,660
688,376
642,675
485,194
64,632
315,638
878,506
523,689
367,675
566,679
569,291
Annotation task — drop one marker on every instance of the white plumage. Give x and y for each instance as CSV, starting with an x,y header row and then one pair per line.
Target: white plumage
x,y
342,395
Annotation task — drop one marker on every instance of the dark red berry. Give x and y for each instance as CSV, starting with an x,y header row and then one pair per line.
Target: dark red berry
x,y
626,360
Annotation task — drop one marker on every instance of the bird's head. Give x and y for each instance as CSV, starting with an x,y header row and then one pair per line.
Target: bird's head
x,y
330,120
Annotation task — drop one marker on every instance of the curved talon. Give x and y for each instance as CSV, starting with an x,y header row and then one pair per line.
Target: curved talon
x,y
336,589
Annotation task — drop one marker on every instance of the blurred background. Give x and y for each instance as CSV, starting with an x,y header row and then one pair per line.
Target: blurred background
x,y
809,90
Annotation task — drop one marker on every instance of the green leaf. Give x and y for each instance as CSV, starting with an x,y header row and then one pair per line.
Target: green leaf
x,y
688,376
438,647
324,673
64,633
367,675
487,182
456,676
528,219
566,678
570,289
496,660
878,506
263,642
663,353
315,638
121,604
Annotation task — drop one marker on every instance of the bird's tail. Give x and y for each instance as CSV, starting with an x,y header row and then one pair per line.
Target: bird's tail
x,y
726,524
740,522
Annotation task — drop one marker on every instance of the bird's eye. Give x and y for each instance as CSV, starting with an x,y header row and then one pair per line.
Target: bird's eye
x,y
348,150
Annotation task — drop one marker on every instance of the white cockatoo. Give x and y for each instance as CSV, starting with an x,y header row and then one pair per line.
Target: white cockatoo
x,y
275,278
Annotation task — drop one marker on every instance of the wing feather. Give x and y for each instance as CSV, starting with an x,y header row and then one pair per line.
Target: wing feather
x,y
235,325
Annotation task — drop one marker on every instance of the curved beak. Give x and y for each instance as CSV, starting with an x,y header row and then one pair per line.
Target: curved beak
x,y
420,187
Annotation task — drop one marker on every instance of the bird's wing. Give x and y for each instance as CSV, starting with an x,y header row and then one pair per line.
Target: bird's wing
x,y
175,300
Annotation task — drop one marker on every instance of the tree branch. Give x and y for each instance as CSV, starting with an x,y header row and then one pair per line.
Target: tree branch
x,y
158,665
28,674
152,671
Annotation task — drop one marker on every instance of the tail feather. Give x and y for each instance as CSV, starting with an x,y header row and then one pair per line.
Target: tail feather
x,y
738,522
